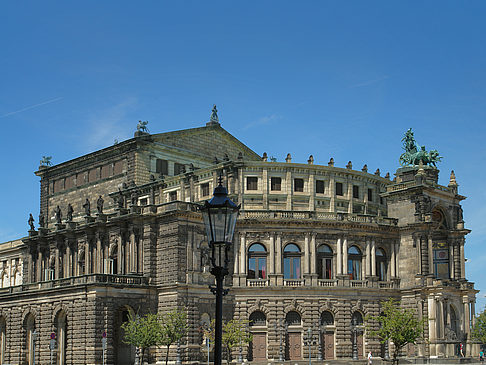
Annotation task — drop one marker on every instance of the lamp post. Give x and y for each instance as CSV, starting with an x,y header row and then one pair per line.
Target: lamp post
x,y
308,341
355,344
319,353
219,215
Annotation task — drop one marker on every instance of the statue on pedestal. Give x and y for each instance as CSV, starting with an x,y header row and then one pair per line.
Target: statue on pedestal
x,y
58,215
31,222
87,208
70,212
99,205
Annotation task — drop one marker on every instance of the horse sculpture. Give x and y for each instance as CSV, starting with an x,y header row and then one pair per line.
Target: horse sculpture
x,y
412,156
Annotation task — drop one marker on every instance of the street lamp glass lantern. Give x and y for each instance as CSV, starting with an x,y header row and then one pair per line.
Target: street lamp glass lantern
x,y
219,215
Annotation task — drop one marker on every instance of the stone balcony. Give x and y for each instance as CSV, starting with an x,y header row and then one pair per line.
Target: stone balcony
x,y
327,283
114,280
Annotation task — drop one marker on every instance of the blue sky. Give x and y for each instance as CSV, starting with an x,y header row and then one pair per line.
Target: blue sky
x,y
331,79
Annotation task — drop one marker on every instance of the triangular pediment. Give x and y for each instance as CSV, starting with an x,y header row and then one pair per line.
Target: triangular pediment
x,y
207,142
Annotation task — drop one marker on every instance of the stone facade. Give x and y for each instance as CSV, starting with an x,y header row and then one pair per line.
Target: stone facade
x,y
316,247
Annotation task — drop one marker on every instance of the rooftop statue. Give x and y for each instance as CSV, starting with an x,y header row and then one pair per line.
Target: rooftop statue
x,y
46,161
412,155
142,126
214,115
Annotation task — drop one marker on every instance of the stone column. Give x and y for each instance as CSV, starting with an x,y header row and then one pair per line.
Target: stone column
x,y
278,259
243,254
339,250
288,190
463,261
373,258
271,269
432,325
332,191
450,246
312,192
265,188
39,265
431,255
119,263
397,260
393,272
87,257
56,264
440,320
467,316
345,256
473,313
368,259
99,255
306,254
69,260
457,260
313,256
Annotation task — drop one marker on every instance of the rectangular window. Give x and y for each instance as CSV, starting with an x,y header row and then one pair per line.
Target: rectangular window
x,y
93,176
355,191
370,195
339,188
299,185
161,167
118,168
173,196
205,189
178,168
105,171
319,186
276,183
252,183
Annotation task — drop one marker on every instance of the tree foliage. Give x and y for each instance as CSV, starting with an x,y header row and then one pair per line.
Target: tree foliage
x,y
142,331
479,329
401,326
173,327
235,332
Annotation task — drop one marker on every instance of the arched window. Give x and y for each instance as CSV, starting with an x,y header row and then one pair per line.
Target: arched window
x,y
29,328
324,262
3,339
257,262
381,264
61,328
291,261
354,263
357,319
293,319
327,319
258,318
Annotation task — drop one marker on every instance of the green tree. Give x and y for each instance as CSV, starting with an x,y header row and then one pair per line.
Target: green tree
x,y
479,329
173,327
401,326
142,331
234,332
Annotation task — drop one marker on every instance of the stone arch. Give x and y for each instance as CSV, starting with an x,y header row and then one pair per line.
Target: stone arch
x,y
28,336
294,306
28,311
440,217
61,307
258,306
60,324
124,353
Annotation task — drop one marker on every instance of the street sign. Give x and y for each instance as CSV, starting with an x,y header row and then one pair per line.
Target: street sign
x,y
104,334
52,344
53,335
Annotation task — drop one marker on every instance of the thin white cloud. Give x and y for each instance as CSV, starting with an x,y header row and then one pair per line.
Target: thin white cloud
x,y
262,121
31,107
109,124
369,82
